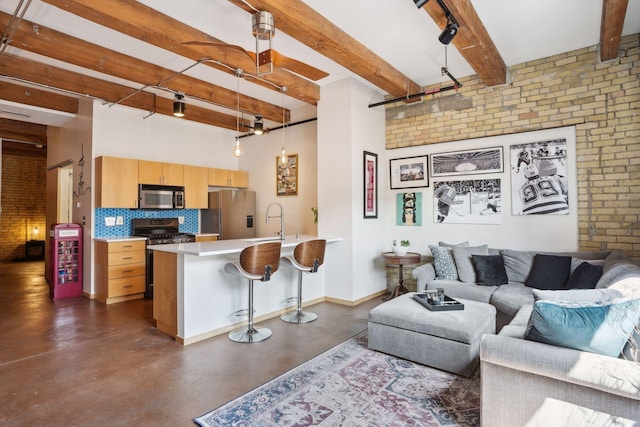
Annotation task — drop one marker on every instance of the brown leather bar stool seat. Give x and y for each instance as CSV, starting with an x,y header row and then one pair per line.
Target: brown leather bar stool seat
x,y
307,257
257,262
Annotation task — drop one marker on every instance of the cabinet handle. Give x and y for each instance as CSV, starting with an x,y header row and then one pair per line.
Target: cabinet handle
x,y
127,271
127,246
127,257
128,286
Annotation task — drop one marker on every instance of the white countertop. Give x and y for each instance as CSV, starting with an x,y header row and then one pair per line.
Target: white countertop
x,y
222,247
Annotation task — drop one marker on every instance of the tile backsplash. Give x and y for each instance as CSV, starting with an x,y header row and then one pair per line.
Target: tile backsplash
x,y
103,231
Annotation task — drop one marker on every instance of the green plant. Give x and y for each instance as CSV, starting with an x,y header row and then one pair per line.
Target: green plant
x,y
404,243
315,215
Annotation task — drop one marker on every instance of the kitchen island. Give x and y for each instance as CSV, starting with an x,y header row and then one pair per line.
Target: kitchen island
x,y
194,299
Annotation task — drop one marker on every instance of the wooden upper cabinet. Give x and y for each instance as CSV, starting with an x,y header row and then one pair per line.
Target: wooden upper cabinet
x,y
228,178
160,173
116,182
196,187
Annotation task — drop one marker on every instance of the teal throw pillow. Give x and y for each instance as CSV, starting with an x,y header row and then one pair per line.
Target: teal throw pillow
x,y
601,327
444,263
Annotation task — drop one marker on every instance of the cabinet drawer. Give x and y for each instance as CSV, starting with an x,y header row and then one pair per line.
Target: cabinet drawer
x,y
126,270
126,286
130,245
129,257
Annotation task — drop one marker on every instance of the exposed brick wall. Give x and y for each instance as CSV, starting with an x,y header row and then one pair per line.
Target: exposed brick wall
x,y
602,100
23,203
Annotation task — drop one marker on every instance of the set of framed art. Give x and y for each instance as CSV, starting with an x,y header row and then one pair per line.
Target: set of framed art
x,y
538,183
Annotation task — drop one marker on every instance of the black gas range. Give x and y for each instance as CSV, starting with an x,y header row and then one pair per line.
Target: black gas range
x,y
158,231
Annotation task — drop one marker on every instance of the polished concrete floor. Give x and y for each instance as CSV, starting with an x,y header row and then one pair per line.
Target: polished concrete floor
x,y
77,362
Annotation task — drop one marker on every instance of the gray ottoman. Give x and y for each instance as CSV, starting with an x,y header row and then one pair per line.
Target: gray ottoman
x,y
447,340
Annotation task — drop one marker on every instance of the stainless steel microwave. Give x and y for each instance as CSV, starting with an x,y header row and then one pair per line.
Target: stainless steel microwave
x,y
160,197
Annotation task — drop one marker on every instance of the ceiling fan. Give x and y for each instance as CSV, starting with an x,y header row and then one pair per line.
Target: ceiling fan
x,y
264,29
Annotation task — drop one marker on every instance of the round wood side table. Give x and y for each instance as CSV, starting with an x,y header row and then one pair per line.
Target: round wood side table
x,y
390,258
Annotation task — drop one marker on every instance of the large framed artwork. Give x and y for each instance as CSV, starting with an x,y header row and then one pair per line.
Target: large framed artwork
x,y
409,209
476,201
409,172
287,176
481,160
370,172
539,179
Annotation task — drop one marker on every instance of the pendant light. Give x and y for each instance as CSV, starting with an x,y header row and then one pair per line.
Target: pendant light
x,y
179,105
237,151
283,155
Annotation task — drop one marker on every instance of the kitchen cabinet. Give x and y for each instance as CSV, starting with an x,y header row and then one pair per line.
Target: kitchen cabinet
x,y
160,173
120,270
228,178
116,182
207,238
196,187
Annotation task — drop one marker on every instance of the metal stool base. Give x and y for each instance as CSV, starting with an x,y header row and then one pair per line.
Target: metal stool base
x,y
299,316
249,335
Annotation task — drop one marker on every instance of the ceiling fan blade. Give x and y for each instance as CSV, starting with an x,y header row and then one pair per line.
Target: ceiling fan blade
x,y
220,45
298,67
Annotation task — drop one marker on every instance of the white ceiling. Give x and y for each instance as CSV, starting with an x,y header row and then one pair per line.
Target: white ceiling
x,y
398,32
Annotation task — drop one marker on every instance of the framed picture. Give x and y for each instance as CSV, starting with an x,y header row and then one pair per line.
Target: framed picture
x,y
370,170
483,160
471,201
409,209
539,178
409,172
287,176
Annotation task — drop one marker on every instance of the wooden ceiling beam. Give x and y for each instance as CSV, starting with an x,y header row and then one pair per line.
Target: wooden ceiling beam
x,y
47,75
144,23
38,98
472,40
613,13
91,56
303,23
23,131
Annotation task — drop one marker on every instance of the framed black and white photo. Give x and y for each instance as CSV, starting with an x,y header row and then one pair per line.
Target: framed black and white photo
x,y
481,160
470,201
539,178
409,172
370,171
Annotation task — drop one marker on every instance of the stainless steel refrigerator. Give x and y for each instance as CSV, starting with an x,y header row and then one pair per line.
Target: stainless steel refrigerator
x,y
231,214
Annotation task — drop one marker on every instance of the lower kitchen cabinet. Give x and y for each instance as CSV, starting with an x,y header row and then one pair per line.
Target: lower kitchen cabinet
x,y
120,270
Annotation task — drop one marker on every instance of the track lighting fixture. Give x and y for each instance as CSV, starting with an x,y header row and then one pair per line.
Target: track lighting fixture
x,y
258,126
420,3
449,32
179,105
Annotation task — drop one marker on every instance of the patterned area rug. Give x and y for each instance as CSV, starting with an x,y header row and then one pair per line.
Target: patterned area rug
x,y
351,385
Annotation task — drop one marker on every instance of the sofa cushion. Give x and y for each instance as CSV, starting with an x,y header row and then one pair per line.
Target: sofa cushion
x,y
444,263
585,276
464,262
617,266
456,289
453,245
510,297
549,272
489,270
601,327
517,264
576,262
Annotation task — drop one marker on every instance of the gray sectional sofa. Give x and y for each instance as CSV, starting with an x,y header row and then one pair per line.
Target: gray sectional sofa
x,y
531,383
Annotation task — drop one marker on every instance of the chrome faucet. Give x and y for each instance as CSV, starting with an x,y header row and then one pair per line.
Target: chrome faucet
x,y
281,216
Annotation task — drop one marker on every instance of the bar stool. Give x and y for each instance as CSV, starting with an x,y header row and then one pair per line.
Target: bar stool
x,y
307,257
257,262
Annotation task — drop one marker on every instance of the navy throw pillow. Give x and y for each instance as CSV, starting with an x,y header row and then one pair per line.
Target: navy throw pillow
x,y
549,272
585,276
490,270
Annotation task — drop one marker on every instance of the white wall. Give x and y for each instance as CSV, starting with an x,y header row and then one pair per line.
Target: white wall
x,y
347,128
259,158
528,232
